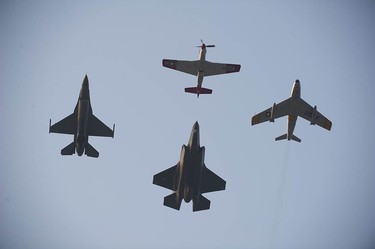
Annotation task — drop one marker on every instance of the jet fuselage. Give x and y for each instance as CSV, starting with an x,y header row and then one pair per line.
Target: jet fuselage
x,y
190,167
83,112
292,119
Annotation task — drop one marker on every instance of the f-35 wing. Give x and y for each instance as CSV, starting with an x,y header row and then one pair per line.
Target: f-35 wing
x,y
67,125
211,182
166,178
311,114
190,67
211,68
95,127
272,113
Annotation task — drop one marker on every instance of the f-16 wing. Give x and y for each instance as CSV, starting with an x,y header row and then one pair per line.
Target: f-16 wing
x,y
166,178
211,182
272,113
311,114
211,68
67,125
190,67
95,127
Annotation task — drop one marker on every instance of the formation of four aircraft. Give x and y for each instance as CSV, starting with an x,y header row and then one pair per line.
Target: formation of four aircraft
x,y
190,177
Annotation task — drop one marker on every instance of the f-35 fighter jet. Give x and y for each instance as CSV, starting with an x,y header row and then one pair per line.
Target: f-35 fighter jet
x,y
82,123
190,177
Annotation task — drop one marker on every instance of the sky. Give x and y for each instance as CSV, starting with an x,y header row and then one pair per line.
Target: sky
x,y
319,193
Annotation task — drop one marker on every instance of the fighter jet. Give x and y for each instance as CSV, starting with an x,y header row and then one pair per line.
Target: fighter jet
x,y
201,68
82,123
190,177
293,107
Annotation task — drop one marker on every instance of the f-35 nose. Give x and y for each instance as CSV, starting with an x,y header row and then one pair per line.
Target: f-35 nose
x,y
196,126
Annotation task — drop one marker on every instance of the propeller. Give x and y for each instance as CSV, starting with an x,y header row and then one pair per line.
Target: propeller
x,y
204,45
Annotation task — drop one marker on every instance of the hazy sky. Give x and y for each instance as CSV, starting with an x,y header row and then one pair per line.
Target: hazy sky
x,y
319,193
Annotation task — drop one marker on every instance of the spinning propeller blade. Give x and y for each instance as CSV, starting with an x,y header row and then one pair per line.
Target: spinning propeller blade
x,y
204,45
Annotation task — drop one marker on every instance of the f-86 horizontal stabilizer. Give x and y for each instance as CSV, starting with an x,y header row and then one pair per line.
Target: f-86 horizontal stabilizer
x,y
285,136
201,203
198,90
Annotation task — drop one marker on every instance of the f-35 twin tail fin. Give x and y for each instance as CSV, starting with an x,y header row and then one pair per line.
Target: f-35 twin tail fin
x,y
285,136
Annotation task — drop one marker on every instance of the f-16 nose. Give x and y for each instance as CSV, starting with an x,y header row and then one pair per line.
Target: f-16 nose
x,y
85,82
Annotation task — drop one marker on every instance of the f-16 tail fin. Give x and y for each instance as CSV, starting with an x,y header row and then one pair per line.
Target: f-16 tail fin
x,y
91,151
198,90
172,201
201,203
282,137
69,150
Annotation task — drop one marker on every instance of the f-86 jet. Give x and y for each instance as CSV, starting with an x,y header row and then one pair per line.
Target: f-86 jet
x,y
294,107
201,68
82,123
190,177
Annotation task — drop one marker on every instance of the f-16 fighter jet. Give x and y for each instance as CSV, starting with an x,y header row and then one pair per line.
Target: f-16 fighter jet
x,y
201,68
293,107
190,177
82,123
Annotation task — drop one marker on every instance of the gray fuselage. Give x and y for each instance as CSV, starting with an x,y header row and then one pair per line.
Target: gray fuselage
x,y
292,119
83,110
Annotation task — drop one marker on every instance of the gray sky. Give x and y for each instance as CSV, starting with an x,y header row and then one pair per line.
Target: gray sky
x,y
316,194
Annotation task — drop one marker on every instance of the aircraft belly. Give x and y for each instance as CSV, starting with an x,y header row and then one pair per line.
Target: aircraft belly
x,y
292,119
192,166
200,77
83,115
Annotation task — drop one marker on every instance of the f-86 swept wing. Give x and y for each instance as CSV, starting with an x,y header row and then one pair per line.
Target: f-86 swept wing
x,y
299,108
276,111
311,114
